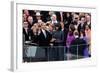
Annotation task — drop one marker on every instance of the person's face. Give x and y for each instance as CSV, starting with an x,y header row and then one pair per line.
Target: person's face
x,y
76,18
44,26
57,28
24,17
40,22
54,17
82,20
26,12
76,34
88,18
35,25
38,17
25,24
30,19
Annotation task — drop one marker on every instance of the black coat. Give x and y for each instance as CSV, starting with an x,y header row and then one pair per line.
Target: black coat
x,y
26,34
59,36
81,28
34,38
44,41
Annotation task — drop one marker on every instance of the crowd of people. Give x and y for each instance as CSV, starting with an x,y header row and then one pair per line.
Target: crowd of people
x,y
54,29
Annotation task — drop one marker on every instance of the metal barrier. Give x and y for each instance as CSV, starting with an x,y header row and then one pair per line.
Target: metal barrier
x,y
35,53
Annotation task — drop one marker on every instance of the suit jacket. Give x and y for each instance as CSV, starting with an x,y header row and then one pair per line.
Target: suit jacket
x,y
34,38
67,20
86,23
59,36
81,28
44,41
30,25
26,34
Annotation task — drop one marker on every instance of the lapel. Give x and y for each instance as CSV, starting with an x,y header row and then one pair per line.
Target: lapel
x,y
42,34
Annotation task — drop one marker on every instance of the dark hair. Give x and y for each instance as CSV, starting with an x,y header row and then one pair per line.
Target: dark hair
x,y
82,31
82,17
47,24
70,33
72,27
76,33
58,25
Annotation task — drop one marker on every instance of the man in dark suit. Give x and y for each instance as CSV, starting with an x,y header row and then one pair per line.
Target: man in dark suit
x,y
34,35
67,18
81,26
26,37
88,20
44,38
53,19
26,31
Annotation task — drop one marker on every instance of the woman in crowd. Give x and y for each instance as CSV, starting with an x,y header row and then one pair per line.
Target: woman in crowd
x,y
70,35
58,39
88,36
